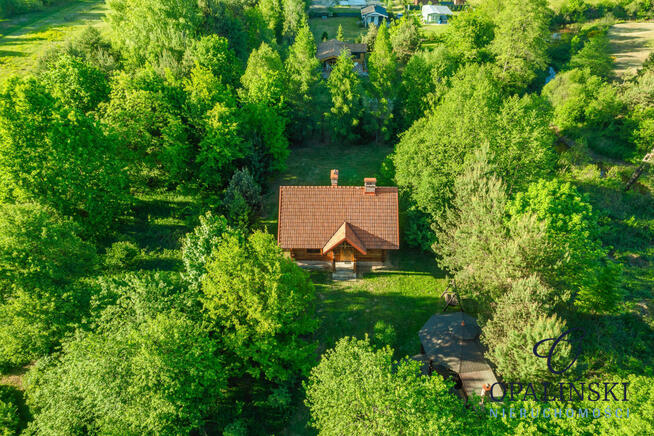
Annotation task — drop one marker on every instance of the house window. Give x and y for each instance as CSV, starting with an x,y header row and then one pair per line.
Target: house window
x,y
313,251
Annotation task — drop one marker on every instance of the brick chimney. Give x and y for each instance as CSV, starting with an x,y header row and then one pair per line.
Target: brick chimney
x,y
334,177
370,184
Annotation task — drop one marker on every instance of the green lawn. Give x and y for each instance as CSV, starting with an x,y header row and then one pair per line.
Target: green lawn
x,y
25,37
352,27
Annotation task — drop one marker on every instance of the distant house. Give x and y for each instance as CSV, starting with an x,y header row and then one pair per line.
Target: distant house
x,y
338,227
373,14
353,3
329,51
436,14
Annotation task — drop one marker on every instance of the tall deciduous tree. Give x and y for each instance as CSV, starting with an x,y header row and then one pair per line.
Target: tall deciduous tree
x,y
261,303
41,258
150,30
382,66
163,375
484,254
57,156
520,44
431,154
304,74
345,91
405,37
356,389
265,80
143,116
575,259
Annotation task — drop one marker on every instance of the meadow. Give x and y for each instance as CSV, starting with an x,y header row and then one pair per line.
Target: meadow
x,y
25,37
631,43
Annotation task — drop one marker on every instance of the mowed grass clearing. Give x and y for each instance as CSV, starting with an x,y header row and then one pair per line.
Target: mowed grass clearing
x,y
631,43
24,38
352,28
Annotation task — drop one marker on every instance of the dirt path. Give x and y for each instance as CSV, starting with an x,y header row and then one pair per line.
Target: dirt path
x,y
631,43
24,38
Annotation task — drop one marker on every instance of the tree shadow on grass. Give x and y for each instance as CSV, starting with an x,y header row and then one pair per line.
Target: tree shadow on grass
x,y
355,313
616,344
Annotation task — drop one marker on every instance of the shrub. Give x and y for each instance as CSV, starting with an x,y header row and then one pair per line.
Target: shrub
x,y
9,412
198,245
121,255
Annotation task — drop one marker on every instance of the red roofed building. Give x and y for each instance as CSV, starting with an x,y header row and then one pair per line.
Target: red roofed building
x,y
339,226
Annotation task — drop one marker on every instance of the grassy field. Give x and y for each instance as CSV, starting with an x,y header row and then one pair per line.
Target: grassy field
x,y
25,37
631,43
352,27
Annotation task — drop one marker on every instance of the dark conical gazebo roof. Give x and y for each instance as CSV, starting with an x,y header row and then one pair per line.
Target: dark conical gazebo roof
x,y
450,340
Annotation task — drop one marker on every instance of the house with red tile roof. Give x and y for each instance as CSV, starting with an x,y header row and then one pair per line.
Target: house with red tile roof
x,y
339,227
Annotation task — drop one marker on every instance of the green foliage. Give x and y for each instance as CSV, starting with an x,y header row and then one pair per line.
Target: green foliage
x,y
262,305
76,84
58,157
243,200
121,255
303,71
150,30
345,91
339,33
265,79
263,129
520,44
521,319
213,53
586,104
431,154
41,257
198,245
575,258
382,67
40,249
405,37
222,144
469,35
294,15
162,375
142,116
473,240
10,413
595,56
356,389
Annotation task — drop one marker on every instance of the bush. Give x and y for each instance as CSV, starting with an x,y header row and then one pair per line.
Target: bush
x,y
121,255
41,258
9,412
198,245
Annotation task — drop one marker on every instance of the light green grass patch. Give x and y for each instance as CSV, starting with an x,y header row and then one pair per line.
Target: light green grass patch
x,y
23,39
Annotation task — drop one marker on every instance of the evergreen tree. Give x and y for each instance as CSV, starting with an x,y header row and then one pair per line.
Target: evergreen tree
x,y
345,91
382,66
339,33
303,69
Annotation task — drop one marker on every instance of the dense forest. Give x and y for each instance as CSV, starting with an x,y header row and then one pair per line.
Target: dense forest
x,y
515,146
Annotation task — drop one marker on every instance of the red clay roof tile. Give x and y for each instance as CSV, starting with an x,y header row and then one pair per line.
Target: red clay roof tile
x,y
310,215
